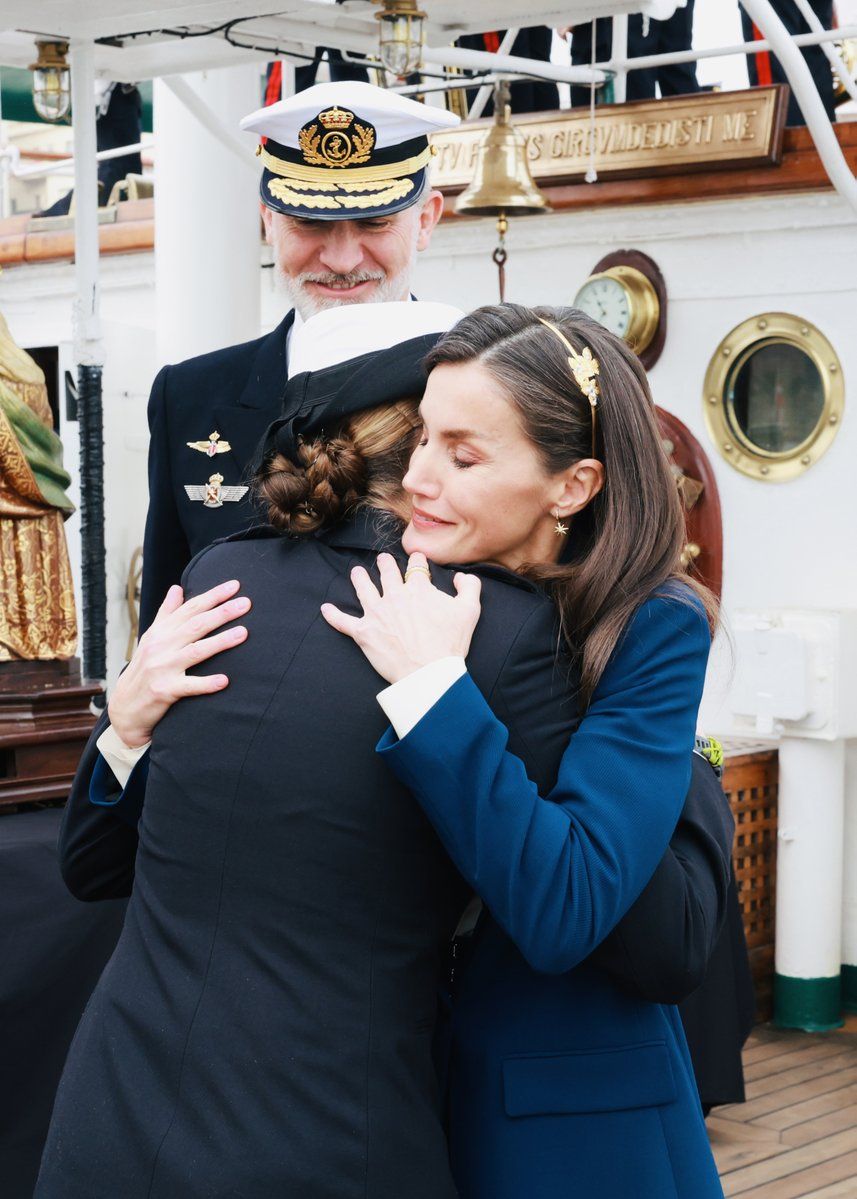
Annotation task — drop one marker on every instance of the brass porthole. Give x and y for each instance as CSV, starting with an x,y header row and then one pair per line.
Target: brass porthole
x,y
774,396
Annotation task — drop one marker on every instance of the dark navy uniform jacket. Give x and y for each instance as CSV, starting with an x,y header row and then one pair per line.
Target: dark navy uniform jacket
x,y
264,1026
235,392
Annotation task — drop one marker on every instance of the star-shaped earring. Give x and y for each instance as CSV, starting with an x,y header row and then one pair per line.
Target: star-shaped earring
x,y
559,528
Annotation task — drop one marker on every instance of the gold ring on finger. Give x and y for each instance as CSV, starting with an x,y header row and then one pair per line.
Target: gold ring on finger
x,y
417,570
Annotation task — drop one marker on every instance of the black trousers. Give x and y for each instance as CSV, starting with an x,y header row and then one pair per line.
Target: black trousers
x,y
663,37
120,125
339,69
526,95
762,66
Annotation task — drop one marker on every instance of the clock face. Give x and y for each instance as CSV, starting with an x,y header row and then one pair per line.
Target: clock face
x,y
606,301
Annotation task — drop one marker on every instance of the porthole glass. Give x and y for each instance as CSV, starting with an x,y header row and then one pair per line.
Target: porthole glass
x,y
774,396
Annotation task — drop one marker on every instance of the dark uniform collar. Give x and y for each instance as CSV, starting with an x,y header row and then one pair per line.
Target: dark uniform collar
x,y
365,529
368,529
267,377
377,532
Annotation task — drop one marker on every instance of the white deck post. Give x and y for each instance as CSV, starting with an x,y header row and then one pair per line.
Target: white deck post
x,y
807,987
206,217
849,884
620,51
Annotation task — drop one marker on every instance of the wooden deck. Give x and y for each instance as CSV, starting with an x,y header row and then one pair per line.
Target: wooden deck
x,y
796,1136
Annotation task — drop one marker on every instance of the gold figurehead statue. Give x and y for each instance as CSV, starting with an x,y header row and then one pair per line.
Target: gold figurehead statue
x,y
37,613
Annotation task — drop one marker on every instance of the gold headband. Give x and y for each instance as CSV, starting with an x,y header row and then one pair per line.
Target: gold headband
x,y
583,368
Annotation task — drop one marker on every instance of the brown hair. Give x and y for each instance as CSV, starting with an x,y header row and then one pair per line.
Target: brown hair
x,y
362,464
626,543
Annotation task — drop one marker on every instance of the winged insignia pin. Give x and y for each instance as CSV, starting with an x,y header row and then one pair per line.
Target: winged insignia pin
x,y
211,446
213,494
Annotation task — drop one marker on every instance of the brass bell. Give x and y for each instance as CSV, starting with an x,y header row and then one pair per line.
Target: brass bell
x,y
502,184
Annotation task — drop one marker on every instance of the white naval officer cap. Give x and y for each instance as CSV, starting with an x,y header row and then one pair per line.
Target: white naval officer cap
x,y
340,334
340,151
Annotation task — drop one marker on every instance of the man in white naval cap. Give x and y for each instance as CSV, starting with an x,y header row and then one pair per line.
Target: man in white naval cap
x,y
347,205
346,199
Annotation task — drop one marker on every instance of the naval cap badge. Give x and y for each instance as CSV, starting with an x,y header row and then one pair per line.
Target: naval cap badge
x,y
213,494
211,445
345,141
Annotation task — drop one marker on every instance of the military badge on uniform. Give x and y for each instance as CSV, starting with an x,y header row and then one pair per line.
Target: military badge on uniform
x,y
211,446
213,494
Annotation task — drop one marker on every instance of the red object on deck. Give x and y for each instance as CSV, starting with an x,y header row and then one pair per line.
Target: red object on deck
x,y
763,60
274,86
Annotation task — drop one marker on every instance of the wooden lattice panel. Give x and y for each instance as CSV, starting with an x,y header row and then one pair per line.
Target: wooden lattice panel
x,y
751,783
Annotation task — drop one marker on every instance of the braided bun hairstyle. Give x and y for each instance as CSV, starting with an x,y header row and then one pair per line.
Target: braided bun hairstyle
x,y
315,490
363,463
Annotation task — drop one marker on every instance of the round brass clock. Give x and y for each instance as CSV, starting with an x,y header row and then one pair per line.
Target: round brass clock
x,y
626,294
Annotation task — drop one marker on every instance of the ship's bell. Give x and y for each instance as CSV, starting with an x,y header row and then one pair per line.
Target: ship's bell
x,y
502,183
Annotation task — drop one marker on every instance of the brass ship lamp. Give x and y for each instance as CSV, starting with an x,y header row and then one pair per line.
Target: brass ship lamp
x,y
502,184
51,81
401,36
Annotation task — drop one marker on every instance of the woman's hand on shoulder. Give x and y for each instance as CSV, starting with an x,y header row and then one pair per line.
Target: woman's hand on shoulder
x,y
178,638
409,623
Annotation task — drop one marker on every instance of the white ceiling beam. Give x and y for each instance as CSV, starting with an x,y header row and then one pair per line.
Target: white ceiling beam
x,y
446,18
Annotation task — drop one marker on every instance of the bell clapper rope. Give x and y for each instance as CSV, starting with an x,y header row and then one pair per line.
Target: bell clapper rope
x,y
502,185
500,254
591,175
502,101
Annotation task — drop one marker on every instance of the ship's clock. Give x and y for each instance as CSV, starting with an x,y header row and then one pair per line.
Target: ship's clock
x,y
626,293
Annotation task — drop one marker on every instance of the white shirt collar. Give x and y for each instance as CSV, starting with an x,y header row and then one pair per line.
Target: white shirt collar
x,y
351,330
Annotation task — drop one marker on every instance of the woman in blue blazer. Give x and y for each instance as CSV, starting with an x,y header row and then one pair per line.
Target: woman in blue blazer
x,y
561,1083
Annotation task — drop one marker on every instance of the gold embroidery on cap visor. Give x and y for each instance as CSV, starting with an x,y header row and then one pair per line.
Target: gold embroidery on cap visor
x,y
385,191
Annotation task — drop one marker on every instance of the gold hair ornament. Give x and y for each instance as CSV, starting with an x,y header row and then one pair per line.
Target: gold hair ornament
x,y
584,367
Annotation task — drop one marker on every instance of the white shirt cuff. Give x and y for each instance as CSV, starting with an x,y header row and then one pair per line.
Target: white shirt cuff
x,y
119,757
405,703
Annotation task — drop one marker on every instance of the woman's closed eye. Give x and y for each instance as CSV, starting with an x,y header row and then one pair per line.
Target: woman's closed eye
x,y
460,458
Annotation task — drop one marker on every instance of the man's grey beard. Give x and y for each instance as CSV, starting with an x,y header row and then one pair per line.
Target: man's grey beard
x,y
307,303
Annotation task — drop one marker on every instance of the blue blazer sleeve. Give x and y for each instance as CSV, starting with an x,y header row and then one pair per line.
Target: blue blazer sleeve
x,y
559,872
